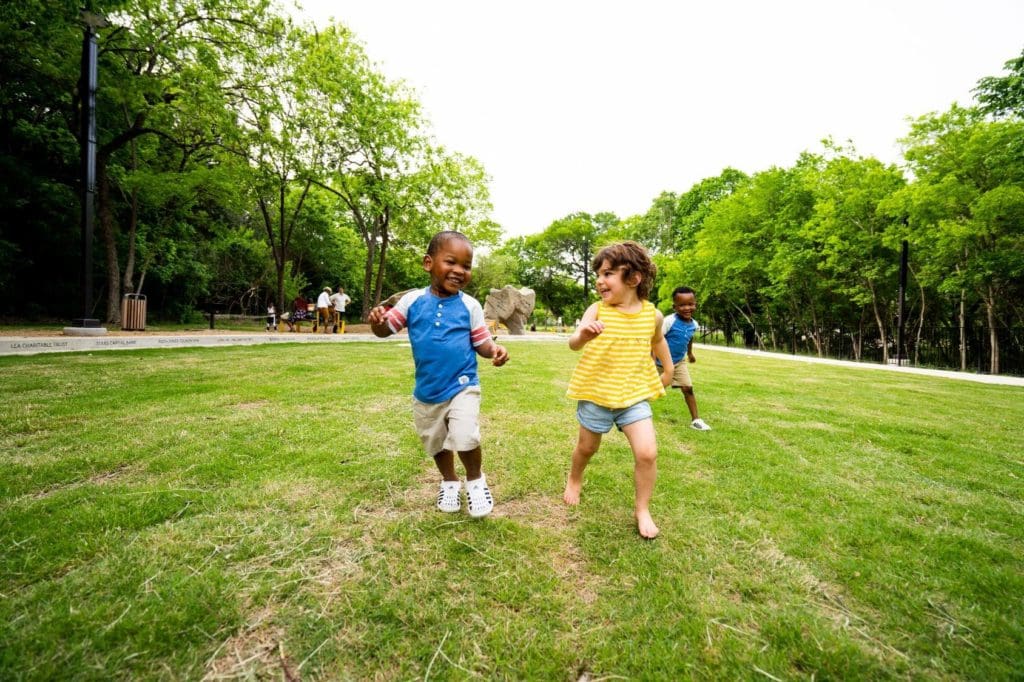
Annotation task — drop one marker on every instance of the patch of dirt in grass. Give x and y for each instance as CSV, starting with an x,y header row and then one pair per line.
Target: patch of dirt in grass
x,y
300,492
98,479
256,651
252,405
330,573
552,516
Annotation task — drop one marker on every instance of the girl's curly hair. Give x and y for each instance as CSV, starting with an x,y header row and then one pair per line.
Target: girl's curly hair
x,y
634,259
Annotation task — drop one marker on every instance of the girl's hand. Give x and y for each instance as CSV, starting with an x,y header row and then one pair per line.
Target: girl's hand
x,y
666,378
500,356
591,330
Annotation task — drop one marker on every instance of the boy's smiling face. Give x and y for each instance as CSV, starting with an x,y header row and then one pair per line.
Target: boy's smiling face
x,y
450,267
684,305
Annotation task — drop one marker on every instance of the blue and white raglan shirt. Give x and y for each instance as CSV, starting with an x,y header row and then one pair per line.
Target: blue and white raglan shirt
x,y
444,333
678,333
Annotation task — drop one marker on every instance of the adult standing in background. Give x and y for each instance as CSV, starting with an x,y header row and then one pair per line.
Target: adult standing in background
x,y
323,309
340,300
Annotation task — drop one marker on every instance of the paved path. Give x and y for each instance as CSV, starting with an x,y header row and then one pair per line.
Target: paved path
x,y
32,345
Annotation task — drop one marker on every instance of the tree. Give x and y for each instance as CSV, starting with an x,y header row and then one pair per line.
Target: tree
x,y
1003,95
729,263
393,182
967,205
40,48
568,245
851,238
163,67
693,206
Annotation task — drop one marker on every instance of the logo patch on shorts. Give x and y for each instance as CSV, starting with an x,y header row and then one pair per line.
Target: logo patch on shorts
x,y
463,380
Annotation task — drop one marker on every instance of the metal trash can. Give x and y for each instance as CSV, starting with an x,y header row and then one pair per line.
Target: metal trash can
x,y
133,312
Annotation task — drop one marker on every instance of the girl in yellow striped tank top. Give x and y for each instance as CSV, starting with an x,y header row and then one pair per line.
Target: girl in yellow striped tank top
x,y
616,375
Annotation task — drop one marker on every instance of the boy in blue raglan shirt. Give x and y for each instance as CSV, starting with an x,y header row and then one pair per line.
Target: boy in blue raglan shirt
x,y
447,331
679,328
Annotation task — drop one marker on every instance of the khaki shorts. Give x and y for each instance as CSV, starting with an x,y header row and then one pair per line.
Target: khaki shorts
x,y
681,375
451,425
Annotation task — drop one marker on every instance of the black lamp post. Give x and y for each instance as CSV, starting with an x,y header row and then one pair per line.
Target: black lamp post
x,y
901,345
87,89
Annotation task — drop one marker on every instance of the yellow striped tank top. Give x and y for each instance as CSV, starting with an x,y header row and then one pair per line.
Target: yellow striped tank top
x,y
617,369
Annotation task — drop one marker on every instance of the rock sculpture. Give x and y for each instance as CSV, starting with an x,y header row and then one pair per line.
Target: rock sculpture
x,y
511,307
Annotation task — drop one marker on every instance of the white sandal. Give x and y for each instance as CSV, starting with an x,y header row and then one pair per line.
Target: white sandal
x,y
449,497
478,495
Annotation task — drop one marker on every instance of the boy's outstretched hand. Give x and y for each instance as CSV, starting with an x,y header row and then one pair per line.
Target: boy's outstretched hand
x,y
378,322
500,356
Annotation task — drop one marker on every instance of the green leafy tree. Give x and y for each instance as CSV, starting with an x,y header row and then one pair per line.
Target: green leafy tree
x,y
966,208
40,48
1003,95
850,241
163,68
392,181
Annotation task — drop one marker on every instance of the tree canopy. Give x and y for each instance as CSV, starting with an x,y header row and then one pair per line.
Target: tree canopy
x,y
244,158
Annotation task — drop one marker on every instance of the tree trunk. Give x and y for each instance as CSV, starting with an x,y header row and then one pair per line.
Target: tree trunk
x,y
993,333
816,334
371,257
133,224
880,321
109,232
275,250
383,231
963,331
129,264
920,320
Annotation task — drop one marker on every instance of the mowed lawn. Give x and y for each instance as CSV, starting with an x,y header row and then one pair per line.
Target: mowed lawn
x,y
266,513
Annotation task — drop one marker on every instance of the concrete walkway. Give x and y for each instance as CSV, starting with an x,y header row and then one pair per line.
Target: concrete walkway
x,y
33,345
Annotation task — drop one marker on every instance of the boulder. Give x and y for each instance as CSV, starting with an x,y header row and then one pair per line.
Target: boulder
x,y
511,307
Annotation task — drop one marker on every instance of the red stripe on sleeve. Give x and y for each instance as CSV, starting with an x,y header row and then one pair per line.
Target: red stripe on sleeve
x,y
480,335
396,320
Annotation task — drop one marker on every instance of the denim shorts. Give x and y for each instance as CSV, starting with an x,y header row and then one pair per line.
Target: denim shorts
x,y
601,419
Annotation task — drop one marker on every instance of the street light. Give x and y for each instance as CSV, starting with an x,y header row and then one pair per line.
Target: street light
x,y
91,22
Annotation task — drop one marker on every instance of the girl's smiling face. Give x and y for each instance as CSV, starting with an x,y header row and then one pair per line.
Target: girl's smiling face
x,y
611,285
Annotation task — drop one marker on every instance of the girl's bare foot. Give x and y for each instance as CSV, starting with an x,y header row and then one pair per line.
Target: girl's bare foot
x,y
645,525
572,491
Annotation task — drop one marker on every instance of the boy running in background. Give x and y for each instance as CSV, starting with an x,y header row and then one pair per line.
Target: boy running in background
x,y
679,328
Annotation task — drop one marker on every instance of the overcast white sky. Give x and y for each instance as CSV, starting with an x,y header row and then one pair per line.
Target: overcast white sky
x,y
600,106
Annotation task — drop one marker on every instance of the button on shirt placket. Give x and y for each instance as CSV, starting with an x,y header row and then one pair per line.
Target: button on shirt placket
x,y
437,321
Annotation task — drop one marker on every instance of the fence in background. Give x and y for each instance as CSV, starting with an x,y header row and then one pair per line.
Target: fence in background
x,y
935,347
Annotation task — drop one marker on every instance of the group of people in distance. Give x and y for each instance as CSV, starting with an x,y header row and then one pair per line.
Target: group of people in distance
x,y
329,311
612,383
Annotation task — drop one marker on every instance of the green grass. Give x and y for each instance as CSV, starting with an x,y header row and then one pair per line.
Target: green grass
x,y
265,512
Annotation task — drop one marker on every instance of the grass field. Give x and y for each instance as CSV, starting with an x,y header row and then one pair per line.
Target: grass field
x,y
265,513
